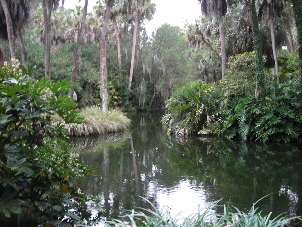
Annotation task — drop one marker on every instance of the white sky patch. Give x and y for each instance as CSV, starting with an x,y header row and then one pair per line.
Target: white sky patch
x,y
173,12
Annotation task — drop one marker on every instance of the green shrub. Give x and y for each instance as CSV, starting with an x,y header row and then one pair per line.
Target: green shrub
x,y
192,108
240,77
275,118
36,162
289,65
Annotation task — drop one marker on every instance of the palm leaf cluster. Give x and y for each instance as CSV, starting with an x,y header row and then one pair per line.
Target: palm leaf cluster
x,y
191,108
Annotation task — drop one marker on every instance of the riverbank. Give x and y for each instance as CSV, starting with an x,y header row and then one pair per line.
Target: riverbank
x,y
98,123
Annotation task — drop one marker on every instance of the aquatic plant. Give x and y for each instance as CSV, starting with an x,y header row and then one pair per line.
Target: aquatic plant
x,y
231,217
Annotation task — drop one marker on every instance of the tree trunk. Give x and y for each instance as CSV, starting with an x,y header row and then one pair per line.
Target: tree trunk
x,y
290,39
10,29
136,28
103,55
23,50
271,25
259,91
47,7
2,59
78,50
297,6
117,37
222,46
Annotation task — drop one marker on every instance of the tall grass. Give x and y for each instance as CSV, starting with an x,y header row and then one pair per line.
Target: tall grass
x,y
98,123
231,217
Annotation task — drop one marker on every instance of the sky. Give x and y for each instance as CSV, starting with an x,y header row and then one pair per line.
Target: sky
x,y
173,12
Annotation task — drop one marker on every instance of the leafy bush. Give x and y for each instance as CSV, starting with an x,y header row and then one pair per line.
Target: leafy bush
x,y
36,162
192,108
275,118
289,65
240,77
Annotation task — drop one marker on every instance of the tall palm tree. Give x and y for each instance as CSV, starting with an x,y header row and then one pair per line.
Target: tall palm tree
x,y
270,10
78,49
10,29
141,9
103,55
260,90
118,11
217,9
48,6
13,16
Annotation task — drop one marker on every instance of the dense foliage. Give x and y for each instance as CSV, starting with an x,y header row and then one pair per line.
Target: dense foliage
x,y
192,108
36,158
275,118
232,109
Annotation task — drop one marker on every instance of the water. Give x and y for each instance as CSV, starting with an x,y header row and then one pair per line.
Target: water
x,y
184,175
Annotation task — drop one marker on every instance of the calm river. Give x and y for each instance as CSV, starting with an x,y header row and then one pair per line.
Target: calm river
x,y
183,175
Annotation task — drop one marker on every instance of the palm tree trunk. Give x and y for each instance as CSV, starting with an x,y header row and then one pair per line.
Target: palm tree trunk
x,y
78,50
136,28
271,25
47,39
118,44
259,91
10,29
222,46
103,55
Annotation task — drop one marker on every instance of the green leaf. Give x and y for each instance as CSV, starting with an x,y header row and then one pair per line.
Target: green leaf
x,y
4,119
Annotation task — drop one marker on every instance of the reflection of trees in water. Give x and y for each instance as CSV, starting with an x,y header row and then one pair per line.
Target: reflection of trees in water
x,y
242,171
146,160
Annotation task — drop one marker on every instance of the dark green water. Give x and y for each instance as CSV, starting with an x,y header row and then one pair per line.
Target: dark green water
x,y
182,174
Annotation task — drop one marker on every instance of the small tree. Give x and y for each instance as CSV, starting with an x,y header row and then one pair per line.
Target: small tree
x,y
36,162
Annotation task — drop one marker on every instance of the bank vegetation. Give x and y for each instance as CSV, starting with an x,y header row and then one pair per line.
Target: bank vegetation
x,y
95,122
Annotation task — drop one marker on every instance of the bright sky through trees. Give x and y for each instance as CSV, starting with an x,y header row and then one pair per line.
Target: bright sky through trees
x,y
173,12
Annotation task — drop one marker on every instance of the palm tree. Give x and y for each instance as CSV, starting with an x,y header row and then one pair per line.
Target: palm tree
x,y
13,16
103,55
217,9
78,49
10,29
141,9
269,10
48,6
118,11
260,90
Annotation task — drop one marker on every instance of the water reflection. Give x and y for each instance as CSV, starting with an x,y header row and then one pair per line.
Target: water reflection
x,y
182,174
